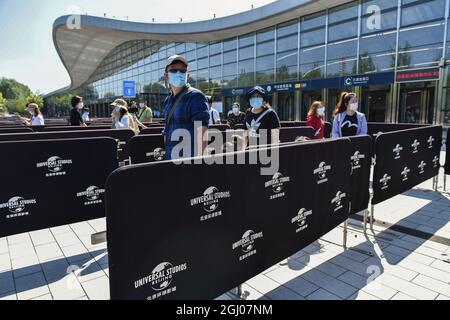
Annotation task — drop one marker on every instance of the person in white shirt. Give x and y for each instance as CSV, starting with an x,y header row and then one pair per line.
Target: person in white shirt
x,y
122,119
214,116
36,116
85,115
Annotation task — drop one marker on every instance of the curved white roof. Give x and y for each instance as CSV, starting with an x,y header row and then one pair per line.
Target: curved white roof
x,y
83,49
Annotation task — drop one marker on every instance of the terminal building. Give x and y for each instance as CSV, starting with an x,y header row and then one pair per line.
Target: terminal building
x,y
394,54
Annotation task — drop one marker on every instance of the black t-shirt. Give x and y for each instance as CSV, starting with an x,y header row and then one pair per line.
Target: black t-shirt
x,y
349,126
266,120
75,118
234,120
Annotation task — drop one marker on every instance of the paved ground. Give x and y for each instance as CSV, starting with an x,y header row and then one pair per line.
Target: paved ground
x,y
60,263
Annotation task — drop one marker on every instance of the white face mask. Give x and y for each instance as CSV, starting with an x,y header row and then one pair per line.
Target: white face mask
x,y
354,106
80,106
321,111
236,110
141,105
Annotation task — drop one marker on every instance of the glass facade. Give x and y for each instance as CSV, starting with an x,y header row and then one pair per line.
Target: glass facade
x,y
358,38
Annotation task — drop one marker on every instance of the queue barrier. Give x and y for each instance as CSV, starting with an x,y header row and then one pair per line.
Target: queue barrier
x,y
57,182
361,164
152,130
15,130
122,137
220,225
404,159
76,128
290,134
147,148
447,159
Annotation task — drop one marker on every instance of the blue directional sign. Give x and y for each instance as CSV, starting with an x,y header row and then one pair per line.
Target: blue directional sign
x,y
129,89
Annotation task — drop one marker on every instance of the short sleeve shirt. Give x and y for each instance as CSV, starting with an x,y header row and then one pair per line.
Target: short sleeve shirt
x,y
255,123
193,107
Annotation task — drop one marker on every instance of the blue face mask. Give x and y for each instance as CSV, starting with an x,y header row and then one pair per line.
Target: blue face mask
x,y
256,103
178,79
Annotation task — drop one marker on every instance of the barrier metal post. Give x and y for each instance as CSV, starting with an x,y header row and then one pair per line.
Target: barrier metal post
x,y
345,234
372,216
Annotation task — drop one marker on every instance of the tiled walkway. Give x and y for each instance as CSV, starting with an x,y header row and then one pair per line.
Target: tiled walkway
x,y
61,263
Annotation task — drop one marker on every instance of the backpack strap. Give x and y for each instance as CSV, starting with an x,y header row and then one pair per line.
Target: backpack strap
x,y
178,98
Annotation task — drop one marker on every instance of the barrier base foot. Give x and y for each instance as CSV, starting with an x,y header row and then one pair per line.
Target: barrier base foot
x,y
240,293
98,238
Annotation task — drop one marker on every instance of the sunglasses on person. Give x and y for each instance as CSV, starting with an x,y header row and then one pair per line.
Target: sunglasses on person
x,y
177,70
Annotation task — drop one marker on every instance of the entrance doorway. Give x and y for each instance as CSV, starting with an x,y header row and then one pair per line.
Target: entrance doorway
x,y
417,102
375,100
286,106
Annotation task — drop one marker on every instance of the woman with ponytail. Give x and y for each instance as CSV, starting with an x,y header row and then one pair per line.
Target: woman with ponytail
x,y
347,120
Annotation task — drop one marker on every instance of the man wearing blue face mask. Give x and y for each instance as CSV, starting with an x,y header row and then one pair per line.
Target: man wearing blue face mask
x,y
183,109
261,120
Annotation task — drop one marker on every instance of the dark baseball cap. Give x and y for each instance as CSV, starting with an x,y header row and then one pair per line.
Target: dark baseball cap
x,y
176,58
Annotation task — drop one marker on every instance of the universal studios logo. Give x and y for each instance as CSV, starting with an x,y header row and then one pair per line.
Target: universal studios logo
x,y
92,195
247,244
356,160
415,146
16,206
55,166
161,279
398,148
321,172
337,201
158,154
435,161
422,166
405,173
385,181
210,201
277,185
301,219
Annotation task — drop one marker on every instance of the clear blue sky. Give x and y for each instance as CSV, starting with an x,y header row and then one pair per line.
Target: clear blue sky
x,y
28,55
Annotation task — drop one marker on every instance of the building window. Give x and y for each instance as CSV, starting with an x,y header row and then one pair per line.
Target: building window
x,y
377,52
415,12
420,46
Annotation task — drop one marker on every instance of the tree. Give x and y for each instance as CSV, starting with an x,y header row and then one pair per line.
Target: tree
x,y
16,95
2,105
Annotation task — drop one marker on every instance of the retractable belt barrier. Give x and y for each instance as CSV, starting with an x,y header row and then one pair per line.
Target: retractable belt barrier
x,y
56,182
122,137
220,225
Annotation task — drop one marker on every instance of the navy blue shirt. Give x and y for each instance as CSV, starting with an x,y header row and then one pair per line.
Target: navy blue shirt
x,y
191,108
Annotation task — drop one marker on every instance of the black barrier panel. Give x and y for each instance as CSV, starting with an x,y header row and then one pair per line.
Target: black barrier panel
x,y
290,124
147,148
447,153
15,130
53,183
361,162
220,127
328,130
216,226
404,159
374,128
76,128
122,137
289,134
157,130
